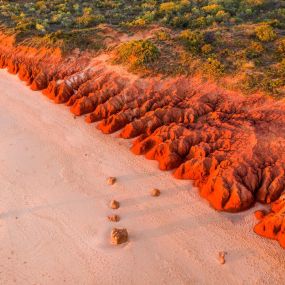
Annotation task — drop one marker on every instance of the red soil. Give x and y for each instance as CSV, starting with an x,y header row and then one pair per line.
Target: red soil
x,y
231,146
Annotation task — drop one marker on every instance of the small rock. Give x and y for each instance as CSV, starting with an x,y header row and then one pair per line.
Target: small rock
x,y
114,218
259,214
155,192
114,204
111,180
222,257
119,236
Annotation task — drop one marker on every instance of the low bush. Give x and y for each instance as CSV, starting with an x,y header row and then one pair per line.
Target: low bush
x,y
254,50
265,33
281,46
213,67
137,53
207,48
192,40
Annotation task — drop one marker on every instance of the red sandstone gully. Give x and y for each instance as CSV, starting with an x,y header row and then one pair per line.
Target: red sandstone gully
x,y
231,146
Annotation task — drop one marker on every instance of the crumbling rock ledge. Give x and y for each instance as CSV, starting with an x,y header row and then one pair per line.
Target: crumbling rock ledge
x,y
231,146
273,224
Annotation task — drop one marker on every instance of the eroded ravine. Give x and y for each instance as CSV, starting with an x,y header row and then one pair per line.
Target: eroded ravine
x,y
231,146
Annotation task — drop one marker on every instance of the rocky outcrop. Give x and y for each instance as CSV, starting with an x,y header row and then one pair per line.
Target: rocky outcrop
x,y
272,225
231,146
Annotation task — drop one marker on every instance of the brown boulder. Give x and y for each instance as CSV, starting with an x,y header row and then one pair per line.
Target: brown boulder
x,y
114,218
155,192
111,180
119,236
114,204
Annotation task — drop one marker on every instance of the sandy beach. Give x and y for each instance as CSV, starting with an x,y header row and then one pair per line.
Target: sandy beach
x,y
54,203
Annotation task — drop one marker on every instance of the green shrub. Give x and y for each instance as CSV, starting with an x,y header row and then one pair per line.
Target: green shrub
x,y
89,18
254,50
25,25
214,67
265,33
41,5
139,22
40,27
281,46
137,53
281,68
162,36
272,85
207,48
251,81
222,16
212,8
200,22
192,40
168,7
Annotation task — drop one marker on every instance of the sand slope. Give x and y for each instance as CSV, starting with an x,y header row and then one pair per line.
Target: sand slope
x,y
54,202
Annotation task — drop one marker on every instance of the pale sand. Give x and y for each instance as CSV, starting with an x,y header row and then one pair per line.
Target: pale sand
x,y
54,202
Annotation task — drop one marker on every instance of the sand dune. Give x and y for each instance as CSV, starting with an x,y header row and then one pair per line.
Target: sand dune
x,y
54,206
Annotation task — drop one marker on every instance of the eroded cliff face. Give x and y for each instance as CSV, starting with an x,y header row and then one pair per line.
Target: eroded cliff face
x,y
272,225
231,146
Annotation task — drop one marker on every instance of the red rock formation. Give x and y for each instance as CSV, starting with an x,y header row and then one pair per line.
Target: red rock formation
x,y
87,104
39,67
231,146
272,225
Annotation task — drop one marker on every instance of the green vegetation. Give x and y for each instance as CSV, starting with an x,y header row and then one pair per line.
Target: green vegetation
x,y
234,38
192,40
265,33
138,54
